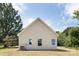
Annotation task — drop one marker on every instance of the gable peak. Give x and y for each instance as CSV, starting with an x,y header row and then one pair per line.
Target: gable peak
x,y
38,18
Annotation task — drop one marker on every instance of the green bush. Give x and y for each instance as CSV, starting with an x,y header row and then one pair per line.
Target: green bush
x,y
69,37
10,41
61,39
67,42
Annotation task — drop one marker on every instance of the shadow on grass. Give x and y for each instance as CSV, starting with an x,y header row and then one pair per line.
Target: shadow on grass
x,y
15,47
2,47
59,50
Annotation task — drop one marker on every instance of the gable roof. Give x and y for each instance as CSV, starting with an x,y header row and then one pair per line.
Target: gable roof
x,y
39,20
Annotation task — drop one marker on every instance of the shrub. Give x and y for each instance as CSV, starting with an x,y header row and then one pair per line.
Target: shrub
x,y
10,41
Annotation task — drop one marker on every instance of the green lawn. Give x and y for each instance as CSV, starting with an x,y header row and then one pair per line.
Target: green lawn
x,y
71,47
2,48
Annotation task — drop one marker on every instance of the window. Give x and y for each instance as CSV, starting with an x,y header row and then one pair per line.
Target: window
x,y
30,41
39,42
53,41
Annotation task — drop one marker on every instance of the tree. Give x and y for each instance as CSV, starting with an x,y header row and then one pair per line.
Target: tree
x,y
10,21
69,37
67,41
9,41
60,40
63,38
74,34
76,14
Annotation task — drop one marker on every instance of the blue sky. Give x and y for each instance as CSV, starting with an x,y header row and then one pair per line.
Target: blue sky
x,y
57,15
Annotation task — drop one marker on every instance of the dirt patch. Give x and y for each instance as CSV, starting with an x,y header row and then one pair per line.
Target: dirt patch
x,y
58,52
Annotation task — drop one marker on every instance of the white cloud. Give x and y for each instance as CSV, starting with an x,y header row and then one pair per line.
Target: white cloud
x,y
19,6
69,8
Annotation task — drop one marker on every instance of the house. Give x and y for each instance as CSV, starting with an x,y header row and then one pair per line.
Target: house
x,y
37,36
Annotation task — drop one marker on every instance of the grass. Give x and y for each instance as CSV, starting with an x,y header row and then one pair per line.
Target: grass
x,y
61,51
2,49
75,48
1,46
